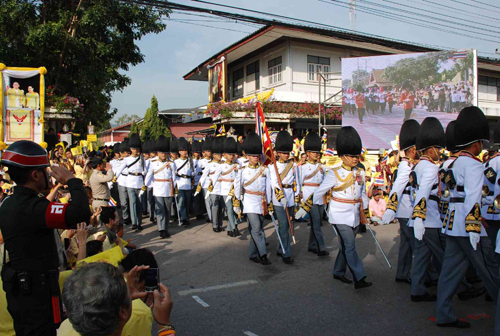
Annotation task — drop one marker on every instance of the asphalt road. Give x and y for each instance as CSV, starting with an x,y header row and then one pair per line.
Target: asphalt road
x,y
217,291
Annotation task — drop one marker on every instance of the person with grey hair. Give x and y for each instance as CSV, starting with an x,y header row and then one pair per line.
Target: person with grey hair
x,y
99,302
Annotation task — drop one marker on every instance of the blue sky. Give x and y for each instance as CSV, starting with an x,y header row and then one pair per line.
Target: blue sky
x,y
181,47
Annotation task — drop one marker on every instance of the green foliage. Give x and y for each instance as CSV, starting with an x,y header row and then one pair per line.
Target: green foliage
x,y
360,76
85,46
153,125
125,119
134,128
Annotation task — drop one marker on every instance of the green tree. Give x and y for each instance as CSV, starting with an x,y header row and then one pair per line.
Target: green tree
x,y
85,46
153,125
135,128
125,119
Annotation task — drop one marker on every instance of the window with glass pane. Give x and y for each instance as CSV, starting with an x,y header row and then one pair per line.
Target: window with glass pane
x,y
317,65
253,76
238,83
274,70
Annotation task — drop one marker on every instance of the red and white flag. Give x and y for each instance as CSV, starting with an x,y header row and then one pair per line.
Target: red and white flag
x,y
261,130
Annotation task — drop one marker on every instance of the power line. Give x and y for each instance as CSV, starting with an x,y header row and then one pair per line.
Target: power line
x,y
377,12
203,25
475,6
454,10
486,4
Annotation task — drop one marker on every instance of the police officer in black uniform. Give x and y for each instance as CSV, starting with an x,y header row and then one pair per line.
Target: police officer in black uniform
x,y
30,277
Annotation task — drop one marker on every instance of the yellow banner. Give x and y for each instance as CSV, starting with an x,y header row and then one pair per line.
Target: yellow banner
x,y
91,138
20,125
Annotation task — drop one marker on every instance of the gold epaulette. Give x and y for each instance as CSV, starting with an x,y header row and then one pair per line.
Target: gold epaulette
x,y
393,202
473,220
420,209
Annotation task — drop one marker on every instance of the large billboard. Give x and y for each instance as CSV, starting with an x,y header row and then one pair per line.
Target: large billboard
x,y
381,92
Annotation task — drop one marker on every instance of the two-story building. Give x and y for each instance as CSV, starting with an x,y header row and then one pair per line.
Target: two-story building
x,y
287,60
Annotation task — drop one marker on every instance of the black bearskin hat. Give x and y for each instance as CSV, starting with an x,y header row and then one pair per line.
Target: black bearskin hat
x,y
430,134
183,145
174,146
348,142
408,134
240,148
312,143
218,145
471,126
252,144
134,141
124,147
207,144
230,146
162,144
196,147
450,136
284,142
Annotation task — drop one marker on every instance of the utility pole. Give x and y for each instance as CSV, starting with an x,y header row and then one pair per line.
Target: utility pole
x,y
352,14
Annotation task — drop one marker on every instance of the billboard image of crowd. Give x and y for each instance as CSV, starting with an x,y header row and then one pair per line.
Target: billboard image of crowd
x,y
381,92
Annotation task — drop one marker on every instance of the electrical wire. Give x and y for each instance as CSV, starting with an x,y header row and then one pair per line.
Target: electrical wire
x,y
486,4
454,10
475,6
203,25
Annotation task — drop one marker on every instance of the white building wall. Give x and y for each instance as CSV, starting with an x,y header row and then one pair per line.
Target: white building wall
x,y
487,100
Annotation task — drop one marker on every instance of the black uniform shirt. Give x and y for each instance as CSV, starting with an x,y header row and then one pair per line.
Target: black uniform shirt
x,y
27,222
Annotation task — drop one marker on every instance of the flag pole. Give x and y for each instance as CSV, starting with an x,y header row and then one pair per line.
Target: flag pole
x,y
273,158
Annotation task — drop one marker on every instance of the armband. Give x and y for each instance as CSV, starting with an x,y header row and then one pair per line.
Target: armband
x,y
55,215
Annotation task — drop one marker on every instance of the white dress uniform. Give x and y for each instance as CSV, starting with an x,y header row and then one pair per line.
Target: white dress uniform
x,y
252,190
134,168
348,199
210,191
291,190
149,186
161,176
462,219
445,199
224,177
426,209
202,164
121,180
183,176
488,210
311,175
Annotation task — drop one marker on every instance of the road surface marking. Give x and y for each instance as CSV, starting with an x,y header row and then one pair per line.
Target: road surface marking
x,y
211,288
200,301
249,333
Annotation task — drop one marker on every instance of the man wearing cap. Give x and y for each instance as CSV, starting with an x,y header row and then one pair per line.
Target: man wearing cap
x,y
467,241
400,203
225,176
30,280
161,177
184,175
348,205
285,189
134,167
251,190
202,166
101,175
312,174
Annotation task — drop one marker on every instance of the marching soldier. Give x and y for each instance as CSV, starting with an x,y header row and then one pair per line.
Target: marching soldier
x,y
134,167
348,205
214,187
242,159
174,155
115,162
150,194
184,175
491,190
196,149
225,176
400,203
101,175
285,193
450,146
121,180
202,166
161,176
426,218
250,188
312,174
30,278
463,222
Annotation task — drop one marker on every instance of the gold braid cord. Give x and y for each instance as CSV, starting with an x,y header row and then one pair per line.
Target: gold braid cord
x,y
210,186
473,220
393,202
308,204
452,217
198,188
231,192
279,193
420,210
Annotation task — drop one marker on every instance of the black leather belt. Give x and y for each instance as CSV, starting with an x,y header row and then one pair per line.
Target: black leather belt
x,y
287,186
457,199
124,174
460,188
101,199
200,173
434,198
184,176
406,192
491,193
135,174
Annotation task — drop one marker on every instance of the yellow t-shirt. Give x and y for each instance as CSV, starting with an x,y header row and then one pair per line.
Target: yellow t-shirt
x,y
80,174
140,322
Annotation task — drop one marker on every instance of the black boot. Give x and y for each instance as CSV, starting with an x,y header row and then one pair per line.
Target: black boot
x,y
230,233
362,284
236,233
162,234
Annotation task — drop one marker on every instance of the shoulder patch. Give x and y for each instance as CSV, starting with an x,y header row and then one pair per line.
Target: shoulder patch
x,y
55,215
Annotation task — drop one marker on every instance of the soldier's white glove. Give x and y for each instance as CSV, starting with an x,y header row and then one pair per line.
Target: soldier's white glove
x,y
419,228
141,192
283,202
237,210
474,239
207,195
228,198
388,216
299,214
196,193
